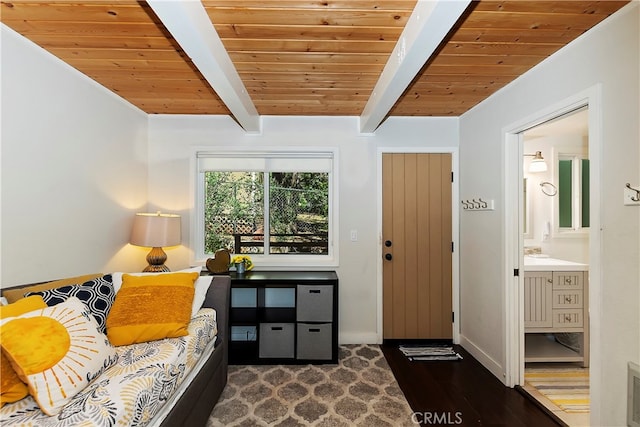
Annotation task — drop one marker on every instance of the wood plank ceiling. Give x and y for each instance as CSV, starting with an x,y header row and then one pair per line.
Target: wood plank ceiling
x,y
302,57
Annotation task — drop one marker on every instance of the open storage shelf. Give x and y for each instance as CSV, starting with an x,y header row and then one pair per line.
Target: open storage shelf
x,y
544,348
284,317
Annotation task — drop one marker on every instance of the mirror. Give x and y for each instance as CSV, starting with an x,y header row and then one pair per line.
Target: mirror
x,y
556,201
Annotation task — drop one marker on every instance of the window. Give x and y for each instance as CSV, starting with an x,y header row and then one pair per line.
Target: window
x,y
276,206
573,193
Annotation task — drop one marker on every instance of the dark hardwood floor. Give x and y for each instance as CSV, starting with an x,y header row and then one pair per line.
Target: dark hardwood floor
x,y
461,393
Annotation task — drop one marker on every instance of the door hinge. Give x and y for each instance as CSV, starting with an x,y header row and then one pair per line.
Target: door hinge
x,y
453,317
516,272
451,246
451,176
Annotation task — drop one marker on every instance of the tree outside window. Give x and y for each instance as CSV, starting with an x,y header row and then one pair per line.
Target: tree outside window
x,y
266,212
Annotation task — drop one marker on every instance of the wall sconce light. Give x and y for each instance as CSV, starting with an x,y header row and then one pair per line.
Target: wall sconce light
x,y
156,230
537,163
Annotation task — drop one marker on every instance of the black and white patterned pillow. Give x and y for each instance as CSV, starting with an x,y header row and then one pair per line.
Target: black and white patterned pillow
x,y
98,294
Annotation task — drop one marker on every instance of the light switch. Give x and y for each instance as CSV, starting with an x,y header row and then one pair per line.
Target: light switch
x,y
354,235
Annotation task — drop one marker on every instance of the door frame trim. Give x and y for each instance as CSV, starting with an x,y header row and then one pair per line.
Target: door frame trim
x,y
455,221
513,254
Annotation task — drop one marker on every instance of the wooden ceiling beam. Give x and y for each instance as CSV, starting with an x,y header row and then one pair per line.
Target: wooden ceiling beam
x,y
191,27
427,27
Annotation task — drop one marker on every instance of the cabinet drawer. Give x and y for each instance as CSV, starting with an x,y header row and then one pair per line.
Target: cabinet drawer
x,y
567,299
276,340
568,279
314,303
568,318
314,341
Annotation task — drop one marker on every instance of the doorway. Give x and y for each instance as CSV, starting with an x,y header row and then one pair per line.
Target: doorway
x,y
555,231
417,229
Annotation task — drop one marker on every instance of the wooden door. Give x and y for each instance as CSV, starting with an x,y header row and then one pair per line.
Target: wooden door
x,y
417,240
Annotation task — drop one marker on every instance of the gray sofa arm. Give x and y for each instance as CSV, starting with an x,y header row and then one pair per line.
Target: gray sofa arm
x,y
219,297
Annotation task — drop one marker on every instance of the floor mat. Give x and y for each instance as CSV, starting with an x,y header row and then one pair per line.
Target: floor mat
x,y
567,388
431,352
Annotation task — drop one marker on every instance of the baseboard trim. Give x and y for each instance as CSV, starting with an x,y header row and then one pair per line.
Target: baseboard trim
x,y
487,361
358,338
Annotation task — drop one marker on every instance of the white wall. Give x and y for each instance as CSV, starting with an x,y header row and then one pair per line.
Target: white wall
x,y
606,57
73,169
172,144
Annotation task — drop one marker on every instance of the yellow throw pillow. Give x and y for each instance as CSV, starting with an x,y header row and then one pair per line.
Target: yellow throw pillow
x,y
151,307
12,388
56,351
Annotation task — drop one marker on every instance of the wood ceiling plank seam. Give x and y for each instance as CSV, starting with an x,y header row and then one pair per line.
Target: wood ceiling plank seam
x,y
349,5
587,7
307,68
297,58
325,4
516,20
310,45
306,32
272,75
131,63
271,14
119,54
494,35
94,30
86,12
473,60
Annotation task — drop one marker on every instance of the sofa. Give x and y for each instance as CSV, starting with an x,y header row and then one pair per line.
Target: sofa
x,y
141,377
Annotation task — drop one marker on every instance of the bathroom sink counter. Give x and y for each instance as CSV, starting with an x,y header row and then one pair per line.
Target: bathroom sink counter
x,y
532,263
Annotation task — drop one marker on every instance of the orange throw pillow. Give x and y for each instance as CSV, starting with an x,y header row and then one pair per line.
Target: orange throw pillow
x,y
12,388
151,307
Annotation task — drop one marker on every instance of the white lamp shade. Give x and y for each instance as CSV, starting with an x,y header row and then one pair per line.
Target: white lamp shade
x,y
538,165
156,230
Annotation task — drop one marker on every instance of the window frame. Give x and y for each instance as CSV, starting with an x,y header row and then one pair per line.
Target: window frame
x,y
576,157
269,261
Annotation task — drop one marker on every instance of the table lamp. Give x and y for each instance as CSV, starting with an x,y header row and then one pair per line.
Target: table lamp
x,y
156,230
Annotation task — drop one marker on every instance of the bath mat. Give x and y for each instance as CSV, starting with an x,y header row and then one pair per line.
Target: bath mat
x,y
566,388
431,352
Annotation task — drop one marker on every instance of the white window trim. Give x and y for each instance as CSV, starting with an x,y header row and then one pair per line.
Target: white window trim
x,y
577,230
266,262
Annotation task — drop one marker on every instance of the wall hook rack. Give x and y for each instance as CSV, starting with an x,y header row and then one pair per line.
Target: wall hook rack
x,y
477,204
635,198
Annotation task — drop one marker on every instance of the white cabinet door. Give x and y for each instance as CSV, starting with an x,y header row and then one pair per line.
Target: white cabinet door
x,y
538,299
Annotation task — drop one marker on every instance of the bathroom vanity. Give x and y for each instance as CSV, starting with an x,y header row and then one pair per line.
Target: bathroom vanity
x,y
556,310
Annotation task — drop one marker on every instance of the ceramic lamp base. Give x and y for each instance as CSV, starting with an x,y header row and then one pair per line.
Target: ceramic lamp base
x,y
156,259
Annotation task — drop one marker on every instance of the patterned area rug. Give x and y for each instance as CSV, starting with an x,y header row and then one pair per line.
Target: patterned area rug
x,y
359,391
566,388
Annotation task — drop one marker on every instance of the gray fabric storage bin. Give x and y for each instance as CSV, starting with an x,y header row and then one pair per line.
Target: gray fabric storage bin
x,y
276,340
314,303
314,341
